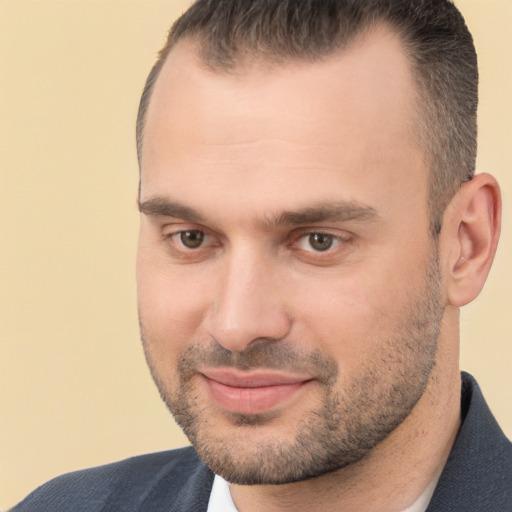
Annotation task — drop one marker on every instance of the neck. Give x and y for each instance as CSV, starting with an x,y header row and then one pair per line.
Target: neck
x,y
395,473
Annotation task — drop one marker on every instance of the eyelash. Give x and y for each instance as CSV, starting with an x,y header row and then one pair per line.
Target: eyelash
x,y
175,236
334,242
332,239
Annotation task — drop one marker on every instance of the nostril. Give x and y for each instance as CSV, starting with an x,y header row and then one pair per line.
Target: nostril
x,y
236,331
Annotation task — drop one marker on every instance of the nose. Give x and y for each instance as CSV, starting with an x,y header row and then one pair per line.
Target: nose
x,y
248,304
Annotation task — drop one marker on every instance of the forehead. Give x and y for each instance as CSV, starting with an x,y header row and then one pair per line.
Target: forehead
x,y
301,125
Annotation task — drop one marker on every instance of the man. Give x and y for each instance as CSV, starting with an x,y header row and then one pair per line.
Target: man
x,y
310,226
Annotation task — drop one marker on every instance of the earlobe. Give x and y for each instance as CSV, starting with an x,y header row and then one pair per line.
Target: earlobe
x,y
472,222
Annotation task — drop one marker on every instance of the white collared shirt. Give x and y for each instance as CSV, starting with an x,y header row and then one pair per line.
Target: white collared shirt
x,y
221,501
220,498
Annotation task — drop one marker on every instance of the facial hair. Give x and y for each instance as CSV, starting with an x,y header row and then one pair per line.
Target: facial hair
x,y
354,415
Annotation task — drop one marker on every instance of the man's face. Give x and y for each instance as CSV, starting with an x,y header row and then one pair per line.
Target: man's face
x,y
289,292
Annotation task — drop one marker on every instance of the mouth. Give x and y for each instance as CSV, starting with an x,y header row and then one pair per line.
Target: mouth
x,y
250,393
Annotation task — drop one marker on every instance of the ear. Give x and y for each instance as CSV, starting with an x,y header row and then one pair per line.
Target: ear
x,y
471,230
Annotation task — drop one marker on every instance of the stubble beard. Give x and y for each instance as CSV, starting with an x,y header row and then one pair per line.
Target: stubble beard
x,y
354,417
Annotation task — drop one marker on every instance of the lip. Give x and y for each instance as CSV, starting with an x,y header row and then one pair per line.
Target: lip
x,y
254,392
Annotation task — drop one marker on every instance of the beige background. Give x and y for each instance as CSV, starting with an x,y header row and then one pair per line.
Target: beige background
x,y
74,389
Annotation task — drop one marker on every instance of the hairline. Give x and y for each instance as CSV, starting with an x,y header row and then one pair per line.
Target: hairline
x,y
422,125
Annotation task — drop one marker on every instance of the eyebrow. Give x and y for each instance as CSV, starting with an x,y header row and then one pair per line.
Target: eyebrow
x,y
323,212
337,212
159,206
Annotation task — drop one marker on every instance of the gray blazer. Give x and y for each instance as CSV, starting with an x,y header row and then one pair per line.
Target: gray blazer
x,y
476,478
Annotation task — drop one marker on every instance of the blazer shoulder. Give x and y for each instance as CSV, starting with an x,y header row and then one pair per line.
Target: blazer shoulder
x,y
478,474
121,486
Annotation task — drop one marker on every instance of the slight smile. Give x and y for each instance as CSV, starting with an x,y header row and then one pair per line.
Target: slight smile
x,y
251,392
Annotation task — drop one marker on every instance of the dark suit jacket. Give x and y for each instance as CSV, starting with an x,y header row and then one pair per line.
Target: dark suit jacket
x,y
476,478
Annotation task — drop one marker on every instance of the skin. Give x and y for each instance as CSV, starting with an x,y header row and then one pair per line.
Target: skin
x,y
376,309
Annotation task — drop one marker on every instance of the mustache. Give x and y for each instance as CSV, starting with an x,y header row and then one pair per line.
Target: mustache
x,y
262,354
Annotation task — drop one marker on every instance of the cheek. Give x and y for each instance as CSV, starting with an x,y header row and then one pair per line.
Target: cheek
x,y
351,316
171,306
337,312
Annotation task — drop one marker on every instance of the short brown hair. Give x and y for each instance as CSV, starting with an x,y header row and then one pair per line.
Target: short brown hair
x,y
434,36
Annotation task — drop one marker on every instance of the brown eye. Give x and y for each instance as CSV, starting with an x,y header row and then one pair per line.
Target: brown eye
x,y
192,239
320,241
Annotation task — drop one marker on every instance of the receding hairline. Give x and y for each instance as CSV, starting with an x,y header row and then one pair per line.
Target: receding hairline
x,y
434,37
248,60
